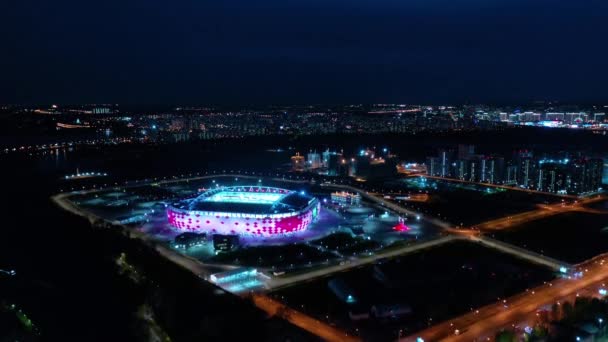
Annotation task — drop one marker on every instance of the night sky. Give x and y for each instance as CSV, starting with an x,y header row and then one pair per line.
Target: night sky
x,y
314,51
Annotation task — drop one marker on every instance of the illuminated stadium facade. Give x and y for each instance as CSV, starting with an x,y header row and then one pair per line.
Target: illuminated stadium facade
x,y
256,211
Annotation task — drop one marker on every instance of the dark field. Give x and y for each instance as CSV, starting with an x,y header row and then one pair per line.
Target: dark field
x,y
279,257
571,237
436,284
469,205
346,244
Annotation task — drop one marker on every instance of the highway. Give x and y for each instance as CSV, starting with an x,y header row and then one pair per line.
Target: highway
x,y
543,211
484,322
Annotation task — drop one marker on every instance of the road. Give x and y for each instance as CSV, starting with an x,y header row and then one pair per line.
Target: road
x,y
280,282
543,211
301,320
483,323
521,253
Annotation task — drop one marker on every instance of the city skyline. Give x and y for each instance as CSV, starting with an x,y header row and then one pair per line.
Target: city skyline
x,y
320,170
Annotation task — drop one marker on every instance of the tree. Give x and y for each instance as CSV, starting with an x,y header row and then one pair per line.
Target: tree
x,y
567,312
556,313
506,336
539,332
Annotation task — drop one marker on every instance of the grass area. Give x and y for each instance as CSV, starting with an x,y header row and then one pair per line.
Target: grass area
x,y
571,237
436,283
346,243
274,256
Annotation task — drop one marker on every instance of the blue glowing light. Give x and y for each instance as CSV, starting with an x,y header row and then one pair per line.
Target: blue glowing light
x,y
350,299
603,292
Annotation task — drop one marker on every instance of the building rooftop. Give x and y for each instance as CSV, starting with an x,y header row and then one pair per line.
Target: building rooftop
x,y
247,199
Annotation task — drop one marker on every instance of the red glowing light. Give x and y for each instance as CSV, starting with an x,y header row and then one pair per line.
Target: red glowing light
x,y
401,227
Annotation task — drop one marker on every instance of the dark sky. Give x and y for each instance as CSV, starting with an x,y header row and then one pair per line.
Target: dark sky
x,y
313,51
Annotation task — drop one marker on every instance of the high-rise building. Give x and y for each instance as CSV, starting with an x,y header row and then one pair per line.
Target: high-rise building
x,y
298,163
474,170
573,118
313,160
554,116
445,158
491,169
599,117
101,110
325,157
553,177
334,163
526,169
460,169
432,166
576,177
586,175
510,175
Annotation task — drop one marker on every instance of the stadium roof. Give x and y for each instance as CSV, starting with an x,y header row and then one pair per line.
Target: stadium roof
x,y
247,199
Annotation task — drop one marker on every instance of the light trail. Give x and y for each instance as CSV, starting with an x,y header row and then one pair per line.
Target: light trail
x,y
543,211
486,321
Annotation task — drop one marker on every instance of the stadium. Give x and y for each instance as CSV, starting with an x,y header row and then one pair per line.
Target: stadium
x,y
255,211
